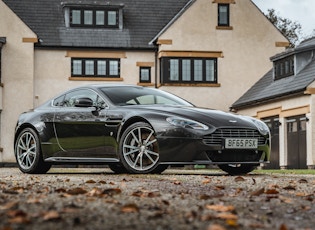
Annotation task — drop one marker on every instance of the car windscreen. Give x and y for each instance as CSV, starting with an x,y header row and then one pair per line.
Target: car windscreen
x,y
132,95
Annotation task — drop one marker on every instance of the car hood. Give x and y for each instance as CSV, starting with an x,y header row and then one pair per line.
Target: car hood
x,y
206,116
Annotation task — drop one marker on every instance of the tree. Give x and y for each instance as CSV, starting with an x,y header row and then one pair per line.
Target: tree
x,y
291,30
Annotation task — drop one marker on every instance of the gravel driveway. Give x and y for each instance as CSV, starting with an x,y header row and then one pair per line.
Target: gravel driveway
x,y
82,198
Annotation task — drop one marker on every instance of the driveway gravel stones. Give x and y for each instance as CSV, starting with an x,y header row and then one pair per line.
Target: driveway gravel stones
x,y
95,198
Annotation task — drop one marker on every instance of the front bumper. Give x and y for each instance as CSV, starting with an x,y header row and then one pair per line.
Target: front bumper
x,y
209,149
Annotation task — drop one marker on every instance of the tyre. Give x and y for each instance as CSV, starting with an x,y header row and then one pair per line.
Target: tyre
x,y
118,168
139,149
28,153
237,169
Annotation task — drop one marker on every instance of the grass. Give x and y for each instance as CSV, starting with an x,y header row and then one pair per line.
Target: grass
x,y
286,171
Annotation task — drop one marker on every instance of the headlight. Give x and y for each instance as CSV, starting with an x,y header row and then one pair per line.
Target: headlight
x,y
186,123
262,127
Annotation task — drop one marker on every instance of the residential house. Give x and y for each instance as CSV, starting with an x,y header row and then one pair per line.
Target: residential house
x,y
285,98
206,51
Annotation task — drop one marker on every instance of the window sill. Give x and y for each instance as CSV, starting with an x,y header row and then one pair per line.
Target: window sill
x,y
145,84
95,79
192,84
224,27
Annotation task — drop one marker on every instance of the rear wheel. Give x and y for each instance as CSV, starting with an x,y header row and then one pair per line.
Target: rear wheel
x,y
139,149
237,169
28,153
118,168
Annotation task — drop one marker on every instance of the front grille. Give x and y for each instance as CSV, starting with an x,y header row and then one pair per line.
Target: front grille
x,y
219,135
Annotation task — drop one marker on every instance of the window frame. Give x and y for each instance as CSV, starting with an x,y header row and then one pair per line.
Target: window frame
x,y
279,67
96,68
166,70
227,24
94,23
61,101
0,65
140,74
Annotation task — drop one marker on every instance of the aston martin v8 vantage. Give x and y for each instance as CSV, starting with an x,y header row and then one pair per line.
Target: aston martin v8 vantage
x,y
135,129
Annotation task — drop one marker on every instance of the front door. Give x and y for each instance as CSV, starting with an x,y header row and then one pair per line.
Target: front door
x,y
296,142
81,131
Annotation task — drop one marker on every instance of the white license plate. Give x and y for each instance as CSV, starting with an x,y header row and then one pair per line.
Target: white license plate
x,y
241,143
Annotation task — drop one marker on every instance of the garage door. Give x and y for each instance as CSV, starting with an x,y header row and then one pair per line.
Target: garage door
x,y
296,142
273,124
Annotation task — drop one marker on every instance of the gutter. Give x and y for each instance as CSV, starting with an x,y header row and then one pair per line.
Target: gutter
x,y
267,100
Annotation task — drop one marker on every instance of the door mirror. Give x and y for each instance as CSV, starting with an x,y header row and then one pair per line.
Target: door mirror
x,y
83,102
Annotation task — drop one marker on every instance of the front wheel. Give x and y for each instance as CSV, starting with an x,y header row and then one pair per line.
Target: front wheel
x,y
139,149
28,153
237,169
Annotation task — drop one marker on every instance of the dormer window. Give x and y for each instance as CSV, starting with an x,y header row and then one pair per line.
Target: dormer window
x,y
283,67
99,17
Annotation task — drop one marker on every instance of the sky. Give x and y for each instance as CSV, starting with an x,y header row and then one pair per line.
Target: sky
x,y
301,11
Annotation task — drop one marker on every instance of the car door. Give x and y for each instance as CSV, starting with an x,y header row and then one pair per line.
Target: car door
x,y
81,129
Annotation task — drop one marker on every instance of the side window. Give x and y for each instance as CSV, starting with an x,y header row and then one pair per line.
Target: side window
x,y
59,101
145,74
69,99
100,67
223,15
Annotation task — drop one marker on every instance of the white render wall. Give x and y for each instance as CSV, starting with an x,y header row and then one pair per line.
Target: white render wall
x,y
246,49
17,72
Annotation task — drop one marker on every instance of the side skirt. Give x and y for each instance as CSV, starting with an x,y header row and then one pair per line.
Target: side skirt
x,y
73,160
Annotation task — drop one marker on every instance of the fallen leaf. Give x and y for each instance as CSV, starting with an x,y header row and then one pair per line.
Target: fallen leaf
x,y
204,197
16,213
271,191
239,179
138,194
220,208
34,201
153,194
207,181
227,216
61,190
90,182
129,208
112,191
76,191
283,227
258,192
20,220
232,222
216,227
51,215
95,192
219,187
12,192
303,181
286,200
289,187
166,202
9,205
191,216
